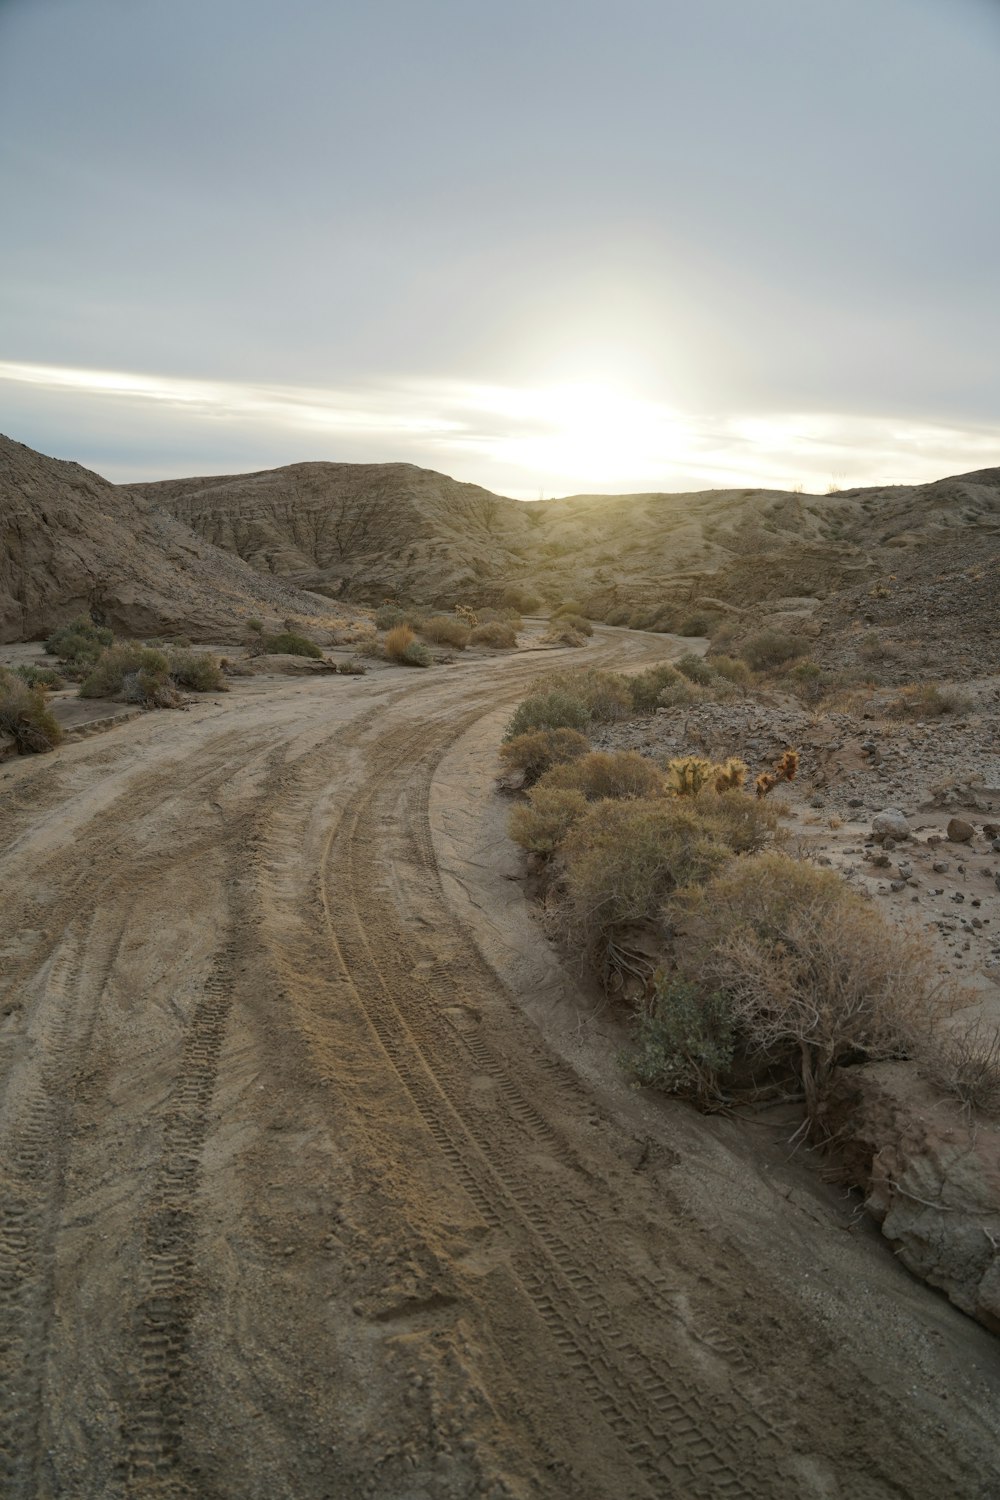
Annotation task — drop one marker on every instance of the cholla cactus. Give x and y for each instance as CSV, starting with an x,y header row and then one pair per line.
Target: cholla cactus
x,y
687,775
784,769
730,776
470,617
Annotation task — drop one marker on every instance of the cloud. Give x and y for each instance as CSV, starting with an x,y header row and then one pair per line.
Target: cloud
x,y
524,440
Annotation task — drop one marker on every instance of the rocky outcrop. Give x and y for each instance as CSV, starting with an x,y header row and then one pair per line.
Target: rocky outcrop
x,y
72,544
931,1176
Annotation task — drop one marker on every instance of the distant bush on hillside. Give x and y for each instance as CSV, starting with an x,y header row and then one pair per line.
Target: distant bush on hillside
x,y
25,716
928,700
523,600
771,648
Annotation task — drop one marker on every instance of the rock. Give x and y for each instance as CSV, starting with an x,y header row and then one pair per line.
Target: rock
x,y
932,1179
940,867
890,823
959,831
905,870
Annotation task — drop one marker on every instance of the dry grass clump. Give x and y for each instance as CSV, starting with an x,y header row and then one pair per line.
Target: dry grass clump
x,y
541,825
445,630
928,700
731,668
25,716
535,752
814,975
400,645
965,1063
615,774
500,635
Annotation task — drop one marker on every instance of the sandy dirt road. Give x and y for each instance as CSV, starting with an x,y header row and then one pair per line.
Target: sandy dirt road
x,y
299,1201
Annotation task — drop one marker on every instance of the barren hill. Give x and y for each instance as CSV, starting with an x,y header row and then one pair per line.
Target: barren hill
x,y
72,543
904,557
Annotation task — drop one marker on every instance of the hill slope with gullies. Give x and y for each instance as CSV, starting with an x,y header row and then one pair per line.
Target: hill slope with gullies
x,y
902,557
71,543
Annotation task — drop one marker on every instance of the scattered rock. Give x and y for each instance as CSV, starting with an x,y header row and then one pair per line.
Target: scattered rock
x,y
959,831
890,823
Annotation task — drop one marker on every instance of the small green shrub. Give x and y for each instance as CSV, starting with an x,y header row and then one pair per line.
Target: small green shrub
x,y
555,709
645,687
696,625
415,655
290,643
40,677
255,626
500,635
107,678
541,824
606,694
684,1041
731,668
79,643
26,717
445,630
772,648
534,753
388,616
198,671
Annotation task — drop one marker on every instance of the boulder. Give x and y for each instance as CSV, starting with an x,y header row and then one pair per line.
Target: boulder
x,y
931,1175
959,831
890,824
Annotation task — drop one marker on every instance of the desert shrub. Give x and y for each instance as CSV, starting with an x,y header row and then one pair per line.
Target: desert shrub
x,y
683,1040
816,977
554,709
255,626
619,615
40,677
645,687
748,824
731,668
579,623
79,643
560,634
772,648
499,634
25,716
695,669
182,642
535,752
290,643
397,639
622,862
351,668
679,693
617,773
150,689
807,680
696,625
568,607
504,615
107,678
523,600
445,630
388,616
198,671
541,824
928,700
965,1063
606,694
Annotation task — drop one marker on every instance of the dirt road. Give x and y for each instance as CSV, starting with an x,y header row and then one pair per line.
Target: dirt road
x,y
299,1201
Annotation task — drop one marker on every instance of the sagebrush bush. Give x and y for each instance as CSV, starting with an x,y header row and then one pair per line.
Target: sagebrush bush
x,y
616,773
290,643
645,687
501,635
80,642
606,694
541,824
579,623
965,1063
535,752
107,678
26,717
747,824
928,700
683,1040
554,709
695,669
816,977
198,671
568,607
731,668
772,648
523,600
561,634
388,616
445,630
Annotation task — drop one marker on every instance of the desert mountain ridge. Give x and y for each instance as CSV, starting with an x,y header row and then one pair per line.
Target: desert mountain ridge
x,y
71,543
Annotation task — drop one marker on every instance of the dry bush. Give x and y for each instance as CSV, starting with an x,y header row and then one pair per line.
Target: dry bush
x,y
568,607
731,668
127,659
198,671
772,648
535,752
553,708
928,700
560,634
622,862
445,630
646,687
605,694
695,669
26,717
523,600
40,677
748,824
541,824
617,774
79,643
397,639
965,1063
815,975
579,623
351,668
389,615
498,634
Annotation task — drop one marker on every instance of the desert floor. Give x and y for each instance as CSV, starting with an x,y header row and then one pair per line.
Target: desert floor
x,y
321,1179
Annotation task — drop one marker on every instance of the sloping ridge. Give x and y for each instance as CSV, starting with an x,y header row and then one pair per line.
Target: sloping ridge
x,y
72,543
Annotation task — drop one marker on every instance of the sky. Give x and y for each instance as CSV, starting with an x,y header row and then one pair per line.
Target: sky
x,y
549,246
